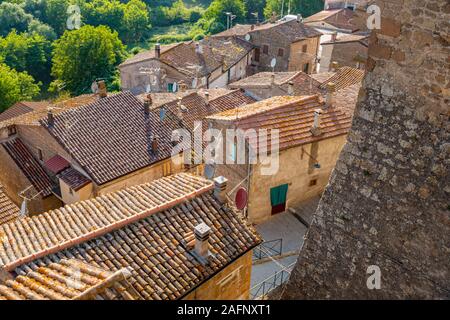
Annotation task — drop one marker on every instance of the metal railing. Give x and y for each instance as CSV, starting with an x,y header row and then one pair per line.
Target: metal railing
x,y
268,249
262,289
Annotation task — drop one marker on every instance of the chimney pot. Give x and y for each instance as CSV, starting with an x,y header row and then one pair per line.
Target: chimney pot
x,y
102,91
202,233
273,18
291,88
147,103
299,18
272,79
315,130
334,36
50,118
331,89
207,98
220,187
157,50
252,27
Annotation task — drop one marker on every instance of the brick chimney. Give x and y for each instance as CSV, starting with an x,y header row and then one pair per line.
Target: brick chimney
x,y
50,118
291,88
202,233
220,187
315,130
102,91
207,98
273,18
331,89
157,51
198,48
147,103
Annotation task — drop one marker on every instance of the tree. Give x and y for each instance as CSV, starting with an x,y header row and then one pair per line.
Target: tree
x,y
24,52
83,55
15,86
12,16
216,12
255,6
284,7
55,14
135,20
37,27
103,12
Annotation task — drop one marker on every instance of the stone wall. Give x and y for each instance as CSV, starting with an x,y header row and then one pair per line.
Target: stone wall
x,y
388,199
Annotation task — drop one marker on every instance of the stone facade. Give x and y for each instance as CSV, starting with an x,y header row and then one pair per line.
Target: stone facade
x,y
387,201
351,54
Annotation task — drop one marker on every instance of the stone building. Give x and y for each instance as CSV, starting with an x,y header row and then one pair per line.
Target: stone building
x,y
173,238
208,63
311,136
292,44
349,50
384,218
92,145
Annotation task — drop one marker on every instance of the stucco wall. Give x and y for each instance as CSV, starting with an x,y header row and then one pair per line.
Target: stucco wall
x,y
232,283
298,59
296,168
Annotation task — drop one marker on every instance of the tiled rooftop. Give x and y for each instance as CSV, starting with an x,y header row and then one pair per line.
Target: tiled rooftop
x,y
29,166
216,53
142,229
56,164
112,137
74,179
345,77
9,211
339,18
292,30
350,38
293,116
20,108
303,83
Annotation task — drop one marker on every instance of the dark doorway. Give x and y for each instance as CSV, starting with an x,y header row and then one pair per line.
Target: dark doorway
x,y
257,54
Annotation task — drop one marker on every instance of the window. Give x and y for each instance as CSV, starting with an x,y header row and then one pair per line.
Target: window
x,y
306,68
313,182
265,49
305,48
280,52
40,155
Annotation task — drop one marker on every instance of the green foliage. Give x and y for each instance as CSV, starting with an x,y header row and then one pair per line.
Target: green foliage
x,y
135,20
255,6
303,7
177,13
42,29
81,56
55,14
30,53
12,16
15,86
215,18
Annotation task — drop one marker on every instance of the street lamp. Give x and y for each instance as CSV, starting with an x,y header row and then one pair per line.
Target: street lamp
x,y
228,19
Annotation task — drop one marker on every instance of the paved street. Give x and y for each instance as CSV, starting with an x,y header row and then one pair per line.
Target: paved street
x,y
285,226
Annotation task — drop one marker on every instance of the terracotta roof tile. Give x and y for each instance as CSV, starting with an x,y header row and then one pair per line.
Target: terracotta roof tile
x,y
140,228
56,164
68,279
293,116
23,107
339,18
9,211
30,167
74,179
291,29
345,77
112,137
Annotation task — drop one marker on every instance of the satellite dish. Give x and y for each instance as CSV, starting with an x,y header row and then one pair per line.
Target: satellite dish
x,y
94,87
194,83
147,88
273,62
210,171
162,114
247,37
24,209
241,198
175,87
